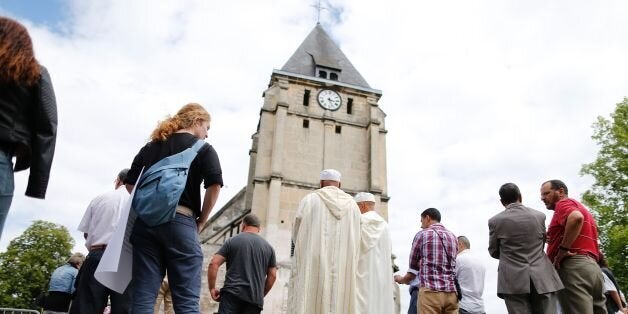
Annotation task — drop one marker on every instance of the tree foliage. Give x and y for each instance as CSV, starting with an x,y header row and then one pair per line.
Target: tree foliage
x,y
608,195
30,259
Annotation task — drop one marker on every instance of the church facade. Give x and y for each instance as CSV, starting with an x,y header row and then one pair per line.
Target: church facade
x,y
318,112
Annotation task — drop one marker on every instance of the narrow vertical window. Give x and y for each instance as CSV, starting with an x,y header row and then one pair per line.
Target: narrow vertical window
x,y
306,98
350,106
333,76
306,123
338,129
322,74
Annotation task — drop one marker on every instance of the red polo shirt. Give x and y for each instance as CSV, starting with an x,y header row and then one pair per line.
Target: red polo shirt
x,y
585,243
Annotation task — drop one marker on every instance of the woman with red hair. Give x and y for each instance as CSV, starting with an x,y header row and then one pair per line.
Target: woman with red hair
x,y
28,115
174,246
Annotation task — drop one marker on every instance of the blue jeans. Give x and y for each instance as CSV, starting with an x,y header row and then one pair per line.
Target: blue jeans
x,y
173,246
6,186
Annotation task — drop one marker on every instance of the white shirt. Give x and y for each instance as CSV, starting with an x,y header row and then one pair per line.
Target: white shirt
x,y
608,284
470,272
102,215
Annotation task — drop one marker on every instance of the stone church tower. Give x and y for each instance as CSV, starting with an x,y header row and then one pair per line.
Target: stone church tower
x,y
318,112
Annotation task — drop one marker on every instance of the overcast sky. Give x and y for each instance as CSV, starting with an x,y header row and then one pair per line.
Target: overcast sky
x,y
477,93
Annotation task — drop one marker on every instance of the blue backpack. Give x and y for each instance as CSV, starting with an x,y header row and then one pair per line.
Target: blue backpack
x,y
160,187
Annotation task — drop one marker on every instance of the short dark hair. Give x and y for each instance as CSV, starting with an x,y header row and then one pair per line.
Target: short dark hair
x,y
432,212
122,174
251,220
557,185
509,193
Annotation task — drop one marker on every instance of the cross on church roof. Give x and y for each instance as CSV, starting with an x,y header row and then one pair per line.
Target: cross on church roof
x,y
318,8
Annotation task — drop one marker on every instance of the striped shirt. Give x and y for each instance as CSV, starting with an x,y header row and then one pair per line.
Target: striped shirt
x,y
436,270
585,243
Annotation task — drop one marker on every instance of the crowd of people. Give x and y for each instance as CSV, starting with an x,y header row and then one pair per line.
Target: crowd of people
x,y
564,279
341,246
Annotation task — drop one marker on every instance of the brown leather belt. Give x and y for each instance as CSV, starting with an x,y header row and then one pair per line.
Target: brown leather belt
x,y
98,247
185,211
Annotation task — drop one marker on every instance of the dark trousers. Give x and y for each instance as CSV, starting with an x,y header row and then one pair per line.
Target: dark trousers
x,y
413,308
533,302
463,311
57,301
91,295
231,304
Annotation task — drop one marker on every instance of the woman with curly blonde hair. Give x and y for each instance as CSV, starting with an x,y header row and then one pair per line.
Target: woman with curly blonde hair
x,y
174,246
28,115
185,118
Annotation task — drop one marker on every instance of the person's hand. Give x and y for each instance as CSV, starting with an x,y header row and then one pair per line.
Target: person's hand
x,y
215,293
199,226
561,255
397,279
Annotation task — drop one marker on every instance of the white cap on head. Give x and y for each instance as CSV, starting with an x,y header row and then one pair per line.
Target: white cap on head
x,y
330,175
364,197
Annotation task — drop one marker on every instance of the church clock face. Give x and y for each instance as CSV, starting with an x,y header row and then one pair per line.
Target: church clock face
x,y
329,99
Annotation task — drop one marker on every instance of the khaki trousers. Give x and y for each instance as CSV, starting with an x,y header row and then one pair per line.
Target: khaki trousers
x,y
437,302
584,286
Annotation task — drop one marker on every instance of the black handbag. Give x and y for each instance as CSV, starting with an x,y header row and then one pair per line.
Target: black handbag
x,y
456,283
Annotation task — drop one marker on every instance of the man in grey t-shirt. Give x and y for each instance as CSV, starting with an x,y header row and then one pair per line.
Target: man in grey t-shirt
x,y
251,270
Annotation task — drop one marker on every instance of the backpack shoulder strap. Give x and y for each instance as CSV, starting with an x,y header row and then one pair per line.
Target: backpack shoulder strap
x,y
188,155
198,145
182,159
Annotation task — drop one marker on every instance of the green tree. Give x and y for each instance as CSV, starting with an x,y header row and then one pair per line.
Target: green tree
x,y
608,195
30,259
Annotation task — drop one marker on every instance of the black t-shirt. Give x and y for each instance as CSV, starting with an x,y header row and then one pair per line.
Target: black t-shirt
x,y
248,258
205,167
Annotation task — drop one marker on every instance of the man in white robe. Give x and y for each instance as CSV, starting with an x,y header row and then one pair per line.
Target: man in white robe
x,y
326,239
375,275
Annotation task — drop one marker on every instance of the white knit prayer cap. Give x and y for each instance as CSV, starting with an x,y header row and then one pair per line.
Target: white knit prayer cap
x,y
330,175
364,197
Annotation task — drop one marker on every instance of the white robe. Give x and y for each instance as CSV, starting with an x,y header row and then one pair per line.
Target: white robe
x,y
375,275
326,236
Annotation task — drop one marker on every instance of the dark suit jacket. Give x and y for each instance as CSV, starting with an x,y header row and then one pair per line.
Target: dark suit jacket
x,y
517,239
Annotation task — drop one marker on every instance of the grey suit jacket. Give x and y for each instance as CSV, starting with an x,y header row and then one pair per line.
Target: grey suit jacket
x,y
517,239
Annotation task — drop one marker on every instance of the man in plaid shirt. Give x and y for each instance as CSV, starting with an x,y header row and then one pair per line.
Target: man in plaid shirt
x,y
433,253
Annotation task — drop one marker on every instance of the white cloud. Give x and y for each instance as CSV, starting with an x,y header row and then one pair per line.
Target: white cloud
x,y
477,94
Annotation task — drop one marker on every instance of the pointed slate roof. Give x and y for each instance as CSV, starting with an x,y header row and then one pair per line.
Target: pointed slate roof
x,y
318,49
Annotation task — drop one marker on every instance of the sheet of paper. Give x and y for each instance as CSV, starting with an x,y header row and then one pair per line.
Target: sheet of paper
x,y
116,265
